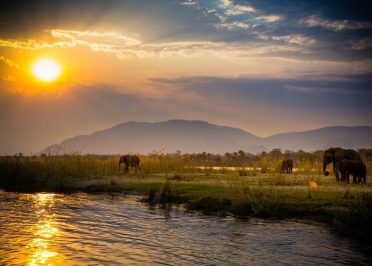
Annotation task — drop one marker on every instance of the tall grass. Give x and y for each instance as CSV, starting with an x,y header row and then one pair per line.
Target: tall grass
x,y
356,219
24,172
164,164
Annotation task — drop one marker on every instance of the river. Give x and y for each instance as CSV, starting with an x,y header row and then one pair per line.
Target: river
x,y
82,229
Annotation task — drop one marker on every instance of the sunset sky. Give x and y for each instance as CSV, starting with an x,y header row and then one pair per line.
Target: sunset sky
x,y
265,66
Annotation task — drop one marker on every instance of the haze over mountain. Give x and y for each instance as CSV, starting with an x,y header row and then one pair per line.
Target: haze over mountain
x,y
199,136
337,136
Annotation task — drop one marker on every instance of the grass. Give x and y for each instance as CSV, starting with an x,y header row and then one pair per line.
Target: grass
x,y
170,179
355,221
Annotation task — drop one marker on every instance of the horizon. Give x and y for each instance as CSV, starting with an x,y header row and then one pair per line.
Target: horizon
x,y
172,140
246,130
184,120
70,68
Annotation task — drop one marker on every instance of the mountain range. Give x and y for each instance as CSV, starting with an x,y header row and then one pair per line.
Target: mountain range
x,y
199,136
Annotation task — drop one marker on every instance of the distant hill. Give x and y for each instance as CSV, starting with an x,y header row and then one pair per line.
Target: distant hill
x,y
199,136
323,138
173,135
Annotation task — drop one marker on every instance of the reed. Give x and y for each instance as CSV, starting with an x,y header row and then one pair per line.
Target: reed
x,y
356,219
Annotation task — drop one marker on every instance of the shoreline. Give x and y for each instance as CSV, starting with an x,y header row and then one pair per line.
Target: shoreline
x,y
345,208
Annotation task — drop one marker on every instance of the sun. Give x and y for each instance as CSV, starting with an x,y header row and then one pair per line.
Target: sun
x,y
46,69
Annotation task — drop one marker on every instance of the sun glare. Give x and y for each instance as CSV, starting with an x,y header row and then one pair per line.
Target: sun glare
x,y
46,69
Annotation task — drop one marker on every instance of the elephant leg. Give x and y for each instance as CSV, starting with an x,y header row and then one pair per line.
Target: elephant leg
x,y
126,170
343,177
335,170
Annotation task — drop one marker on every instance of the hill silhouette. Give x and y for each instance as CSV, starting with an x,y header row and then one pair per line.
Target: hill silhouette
x,y
199,136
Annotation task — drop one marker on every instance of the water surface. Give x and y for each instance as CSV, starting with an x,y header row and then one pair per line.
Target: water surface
x,y
81,229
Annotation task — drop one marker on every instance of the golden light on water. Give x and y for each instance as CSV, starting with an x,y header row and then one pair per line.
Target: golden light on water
x,y
46,69
42,256
45,232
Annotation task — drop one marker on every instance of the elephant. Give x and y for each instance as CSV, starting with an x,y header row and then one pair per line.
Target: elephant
x,y
356,168
129,160
286,167
334,155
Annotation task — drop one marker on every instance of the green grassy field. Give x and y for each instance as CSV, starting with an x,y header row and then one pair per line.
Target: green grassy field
x,y
222,191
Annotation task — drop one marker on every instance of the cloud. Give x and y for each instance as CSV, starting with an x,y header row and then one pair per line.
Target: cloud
x,y
282,103
270,18
327,90
9,62
298,51
96,36
127,47
361,44
348,84
190,3
33,44
295,39
336,25
225,13
233,25
232,9
233,16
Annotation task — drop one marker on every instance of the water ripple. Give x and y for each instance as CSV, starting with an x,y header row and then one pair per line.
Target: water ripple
x,y
81,229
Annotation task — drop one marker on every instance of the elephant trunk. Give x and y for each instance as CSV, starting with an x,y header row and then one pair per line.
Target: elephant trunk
x,y
324,166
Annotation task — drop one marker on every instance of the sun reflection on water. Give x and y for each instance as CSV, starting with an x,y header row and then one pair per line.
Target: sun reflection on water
x,y
44,231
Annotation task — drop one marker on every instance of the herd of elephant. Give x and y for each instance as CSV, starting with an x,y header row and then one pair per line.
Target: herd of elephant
x,y
345,163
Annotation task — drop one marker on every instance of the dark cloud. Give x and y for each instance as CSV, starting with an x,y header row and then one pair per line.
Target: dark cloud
x,y
347,98
168,20
162,20
333,9
28,18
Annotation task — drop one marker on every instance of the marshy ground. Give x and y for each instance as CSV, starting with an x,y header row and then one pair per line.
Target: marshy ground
x,y
237,192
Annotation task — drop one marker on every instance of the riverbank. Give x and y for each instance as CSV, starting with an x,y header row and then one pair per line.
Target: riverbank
x,y
348,208
113,229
